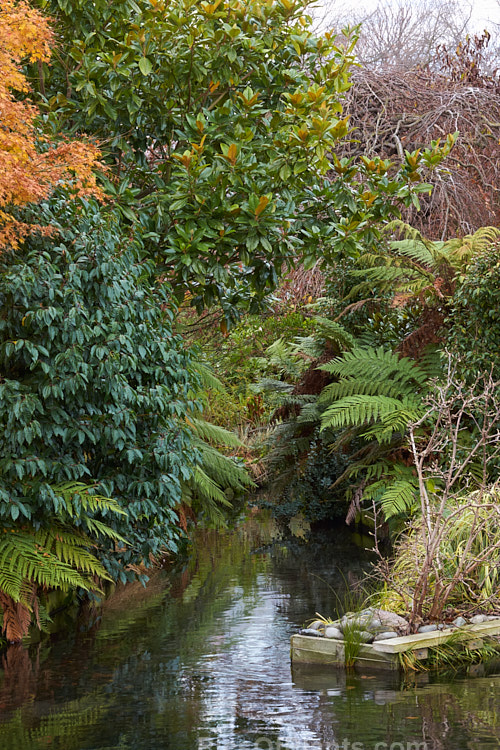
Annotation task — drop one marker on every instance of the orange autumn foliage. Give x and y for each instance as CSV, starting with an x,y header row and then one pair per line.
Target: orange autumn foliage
x,y
28,173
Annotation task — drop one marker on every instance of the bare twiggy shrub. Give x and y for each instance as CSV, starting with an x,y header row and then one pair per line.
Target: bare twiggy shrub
x,y
450,556
393,112
398,33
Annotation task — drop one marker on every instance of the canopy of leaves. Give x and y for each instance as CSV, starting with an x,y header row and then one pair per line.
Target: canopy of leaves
x,y
221,122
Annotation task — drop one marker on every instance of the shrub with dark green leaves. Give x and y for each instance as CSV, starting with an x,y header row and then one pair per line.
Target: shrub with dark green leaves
x,y
475,318
94,387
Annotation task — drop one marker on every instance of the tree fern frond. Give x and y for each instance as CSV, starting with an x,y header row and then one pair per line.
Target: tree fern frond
x,y
395,497
378,364
283,356
215,433
358,410
207,489
335,333
422,253
310,414
308,346
223,469
39,557
271,385
98,528
357,386
386,275
397,226
462,249
79,496
208,379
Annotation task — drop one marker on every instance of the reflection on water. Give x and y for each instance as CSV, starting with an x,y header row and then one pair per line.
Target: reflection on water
x,y
200,661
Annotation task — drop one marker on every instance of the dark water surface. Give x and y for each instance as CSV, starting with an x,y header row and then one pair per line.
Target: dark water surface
x,y
200,661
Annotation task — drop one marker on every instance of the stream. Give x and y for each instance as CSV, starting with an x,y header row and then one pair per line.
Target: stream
x,y
199,660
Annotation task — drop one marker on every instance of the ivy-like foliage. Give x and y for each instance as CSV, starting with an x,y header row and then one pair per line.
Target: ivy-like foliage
x,y
94,388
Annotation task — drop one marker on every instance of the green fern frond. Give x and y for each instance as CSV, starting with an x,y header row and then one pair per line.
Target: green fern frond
x,y
80,497
358,410
40,557
283,356
378,364
308,346
396,421
209,381
207,489
223,469
395,497
357,386
98,528
462,249
335,333
270,385
214,433
425,254
386,275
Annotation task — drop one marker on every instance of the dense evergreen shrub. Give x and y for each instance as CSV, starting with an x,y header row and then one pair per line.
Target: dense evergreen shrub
x,y
94,386
475,318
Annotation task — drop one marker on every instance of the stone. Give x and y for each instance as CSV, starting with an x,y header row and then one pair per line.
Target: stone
x,y
478,619
428,628
365,637
392,621
359,619
493,617
316,625
310,631
385,636
332,632
375,624
459,622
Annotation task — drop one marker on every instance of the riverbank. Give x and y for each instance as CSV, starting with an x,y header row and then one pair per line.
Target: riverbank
x,y
204,663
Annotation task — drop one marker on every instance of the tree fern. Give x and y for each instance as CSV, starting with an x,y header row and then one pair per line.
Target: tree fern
x,y
215,472
414,266
57,556
377,395
396,493
358,386
48,559
214,433
378,364
391,414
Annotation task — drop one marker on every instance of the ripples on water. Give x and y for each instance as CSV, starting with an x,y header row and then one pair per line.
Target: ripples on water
x,y
200,661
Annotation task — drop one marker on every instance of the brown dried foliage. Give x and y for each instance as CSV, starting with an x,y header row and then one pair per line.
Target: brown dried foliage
x,y
393,111
16,618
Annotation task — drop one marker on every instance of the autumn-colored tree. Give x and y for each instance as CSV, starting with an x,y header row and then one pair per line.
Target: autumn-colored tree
x,y
31,163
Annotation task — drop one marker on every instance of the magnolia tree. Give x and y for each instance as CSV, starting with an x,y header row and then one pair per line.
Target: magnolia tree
x,y
221,123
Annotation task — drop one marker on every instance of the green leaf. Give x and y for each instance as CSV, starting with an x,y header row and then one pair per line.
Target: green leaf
x,y
145,66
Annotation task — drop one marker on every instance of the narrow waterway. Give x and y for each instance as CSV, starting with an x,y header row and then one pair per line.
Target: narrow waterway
x,y
200,661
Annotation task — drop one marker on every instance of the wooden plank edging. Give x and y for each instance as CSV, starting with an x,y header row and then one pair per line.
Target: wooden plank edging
x,y
306,649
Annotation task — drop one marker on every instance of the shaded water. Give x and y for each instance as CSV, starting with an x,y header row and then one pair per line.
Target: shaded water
x,y
200,661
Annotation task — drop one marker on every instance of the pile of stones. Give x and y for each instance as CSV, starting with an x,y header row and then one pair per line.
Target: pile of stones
x,y
372,625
